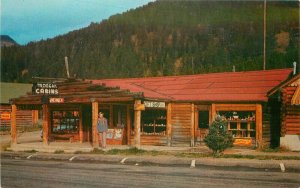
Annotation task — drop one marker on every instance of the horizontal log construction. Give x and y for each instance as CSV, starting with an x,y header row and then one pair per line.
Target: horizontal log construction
x,y
181,124
24,117
290,113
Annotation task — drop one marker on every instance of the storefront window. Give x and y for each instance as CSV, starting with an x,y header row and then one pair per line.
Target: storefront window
x,y
119,114
240,124
154,122
65,122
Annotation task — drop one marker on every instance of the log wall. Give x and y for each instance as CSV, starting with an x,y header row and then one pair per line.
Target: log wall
x,y
266,128
181,121
154,140
24,117
290,113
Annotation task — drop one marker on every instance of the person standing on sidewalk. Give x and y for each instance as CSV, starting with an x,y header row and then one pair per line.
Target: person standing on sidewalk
x,y
102,129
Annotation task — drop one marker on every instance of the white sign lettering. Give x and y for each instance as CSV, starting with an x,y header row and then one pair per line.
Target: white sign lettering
x,y
56,100
45,88
153,104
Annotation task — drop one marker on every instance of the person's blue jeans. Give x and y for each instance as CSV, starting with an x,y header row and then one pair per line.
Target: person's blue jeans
x,y
102,139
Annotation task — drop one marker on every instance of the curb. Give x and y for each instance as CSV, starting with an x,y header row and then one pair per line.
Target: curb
x,y
229,164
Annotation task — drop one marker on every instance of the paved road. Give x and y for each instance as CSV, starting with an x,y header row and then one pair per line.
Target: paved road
x,y
29,173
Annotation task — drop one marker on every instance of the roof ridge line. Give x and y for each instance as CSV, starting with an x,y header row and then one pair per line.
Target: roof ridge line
x,y
152,90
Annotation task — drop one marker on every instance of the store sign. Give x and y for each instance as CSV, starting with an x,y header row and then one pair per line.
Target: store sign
x,y
56,100
153,104
5,116
45,88
242,142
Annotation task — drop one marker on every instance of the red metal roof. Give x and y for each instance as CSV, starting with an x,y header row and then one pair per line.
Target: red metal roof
x,y
215,87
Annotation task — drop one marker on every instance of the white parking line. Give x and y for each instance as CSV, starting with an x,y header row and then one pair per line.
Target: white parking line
x,y
282,167
72,158
123,160
193,163
30,156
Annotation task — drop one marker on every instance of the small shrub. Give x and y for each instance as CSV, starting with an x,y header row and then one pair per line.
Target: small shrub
x,y
59,151
78,152
97,151
218,139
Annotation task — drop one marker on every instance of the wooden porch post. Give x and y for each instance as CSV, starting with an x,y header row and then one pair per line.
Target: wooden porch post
x,y
111,114
137,127
128,124
45,124
193,126
35,117
196,118
169,124
94,124
13,124
213,112
258,117
80,125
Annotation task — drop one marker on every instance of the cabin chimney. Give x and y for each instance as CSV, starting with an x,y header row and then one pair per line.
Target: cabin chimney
x,y
67,66
295,68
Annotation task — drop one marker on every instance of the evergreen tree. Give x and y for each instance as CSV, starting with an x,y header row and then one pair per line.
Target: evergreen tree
x,y
218,139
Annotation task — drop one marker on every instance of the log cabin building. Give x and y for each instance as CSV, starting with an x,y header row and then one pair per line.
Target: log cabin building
x,y
164,111
288,93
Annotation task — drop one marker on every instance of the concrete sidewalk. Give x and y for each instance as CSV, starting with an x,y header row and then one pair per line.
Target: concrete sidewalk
x,y
81,152
31,141
36,144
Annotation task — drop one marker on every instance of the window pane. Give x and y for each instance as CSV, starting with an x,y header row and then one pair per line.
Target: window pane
x,y
203,122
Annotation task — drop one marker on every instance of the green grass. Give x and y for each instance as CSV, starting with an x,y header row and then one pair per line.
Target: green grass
x,y
97,151
278,149
136,151
130,151
31,151
59,151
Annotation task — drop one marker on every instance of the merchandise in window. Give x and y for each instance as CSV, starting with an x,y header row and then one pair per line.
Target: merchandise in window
x,y
154,122
240,124
65,122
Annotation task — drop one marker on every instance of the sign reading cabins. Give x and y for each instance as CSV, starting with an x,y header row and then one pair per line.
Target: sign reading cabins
x,y
45,88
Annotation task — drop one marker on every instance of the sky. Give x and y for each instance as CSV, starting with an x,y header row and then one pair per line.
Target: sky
x,y
34,20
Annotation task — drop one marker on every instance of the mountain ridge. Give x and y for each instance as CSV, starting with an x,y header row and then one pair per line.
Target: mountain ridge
x,y
7,41
165,38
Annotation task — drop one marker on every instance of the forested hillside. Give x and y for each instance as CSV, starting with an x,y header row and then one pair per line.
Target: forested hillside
x,y
165,38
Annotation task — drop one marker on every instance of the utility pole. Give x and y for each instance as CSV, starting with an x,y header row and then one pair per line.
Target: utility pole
x,y
265,18
67,66
193,65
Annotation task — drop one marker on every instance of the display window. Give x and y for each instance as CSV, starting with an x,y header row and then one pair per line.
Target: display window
x,y
240,124
119,114
65,121
154,122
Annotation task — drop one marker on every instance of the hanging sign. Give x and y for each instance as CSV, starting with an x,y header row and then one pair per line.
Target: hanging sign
x,y
5,116
154,104
56,100
45,88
